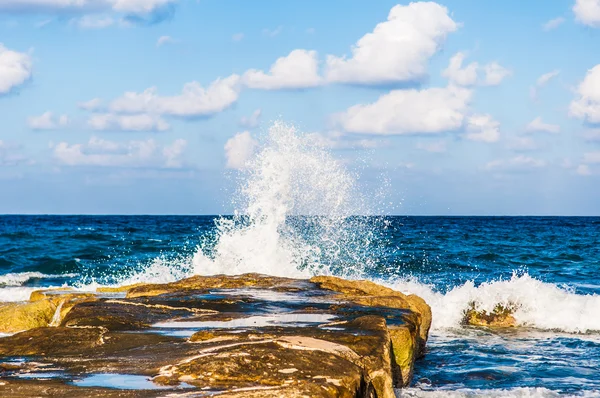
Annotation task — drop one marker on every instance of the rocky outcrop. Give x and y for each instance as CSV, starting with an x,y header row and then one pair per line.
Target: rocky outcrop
x,y
242,336
500,317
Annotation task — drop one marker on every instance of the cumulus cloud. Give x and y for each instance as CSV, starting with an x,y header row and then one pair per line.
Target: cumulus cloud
x,y
456,74
194,100
428,111
105,153
173,154
553,24
91,105
139,122
586,105
517,163
251,121
239,150
299,69
494,74
15,69
587,12
482,128
398,50
469,75
47,121
537,125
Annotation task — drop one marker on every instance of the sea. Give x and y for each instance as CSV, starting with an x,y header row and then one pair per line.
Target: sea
x,y
301,212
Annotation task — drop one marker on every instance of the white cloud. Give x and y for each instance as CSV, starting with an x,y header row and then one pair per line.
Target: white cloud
x,y
311,31
428,111
494,74
15,69
164,40
252,121
591,157
456,74
398,50
93,22
482,128
239,150
47,121
523,144
586,105
587,12
59,6
542,81
173,153
553,24
138,122
433,147
517,163
194,100
104,153
273,32
469,75
237,37
299,69
91,105
583,170
537,125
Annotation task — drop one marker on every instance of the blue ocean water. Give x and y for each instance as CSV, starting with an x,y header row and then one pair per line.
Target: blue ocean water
x,y
546,267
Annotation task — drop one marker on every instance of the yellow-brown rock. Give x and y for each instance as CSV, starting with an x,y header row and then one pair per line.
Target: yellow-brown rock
x,y
500,317
210,282
16,317
369,293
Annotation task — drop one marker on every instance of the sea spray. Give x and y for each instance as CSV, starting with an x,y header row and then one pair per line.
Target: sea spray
x,y
537,304
298,215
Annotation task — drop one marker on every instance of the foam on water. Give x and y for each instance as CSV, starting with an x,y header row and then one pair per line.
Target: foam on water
x,y
537,304
294,216
19,278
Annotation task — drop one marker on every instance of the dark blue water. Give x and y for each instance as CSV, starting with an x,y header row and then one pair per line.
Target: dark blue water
x,y
548,266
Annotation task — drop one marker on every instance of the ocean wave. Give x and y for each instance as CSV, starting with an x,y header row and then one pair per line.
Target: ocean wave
x,y
520,392
538,304
19,278
15,294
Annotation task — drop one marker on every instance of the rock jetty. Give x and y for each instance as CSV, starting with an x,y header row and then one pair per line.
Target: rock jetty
x,y
224,336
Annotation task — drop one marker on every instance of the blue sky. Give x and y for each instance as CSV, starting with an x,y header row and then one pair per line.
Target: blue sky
x,y
150,106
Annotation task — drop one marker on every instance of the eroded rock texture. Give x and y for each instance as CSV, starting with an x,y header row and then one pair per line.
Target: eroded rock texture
x,y
242,336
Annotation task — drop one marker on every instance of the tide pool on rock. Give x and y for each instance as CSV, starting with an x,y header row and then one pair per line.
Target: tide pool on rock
x,y
245,336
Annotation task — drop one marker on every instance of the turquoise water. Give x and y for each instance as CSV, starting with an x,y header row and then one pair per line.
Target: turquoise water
x,y
547,267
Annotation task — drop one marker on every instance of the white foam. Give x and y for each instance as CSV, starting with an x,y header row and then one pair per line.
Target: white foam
x,y
19,278
14,294
538,304
519,392
290,175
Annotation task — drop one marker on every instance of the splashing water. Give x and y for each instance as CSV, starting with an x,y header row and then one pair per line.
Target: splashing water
x,y
298,215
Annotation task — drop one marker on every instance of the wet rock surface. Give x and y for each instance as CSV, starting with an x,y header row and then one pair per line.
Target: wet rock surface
x,y
242,336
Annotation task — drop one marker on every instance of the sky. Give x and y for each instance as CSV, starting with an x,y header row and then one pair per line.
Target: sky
x,y
155,106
